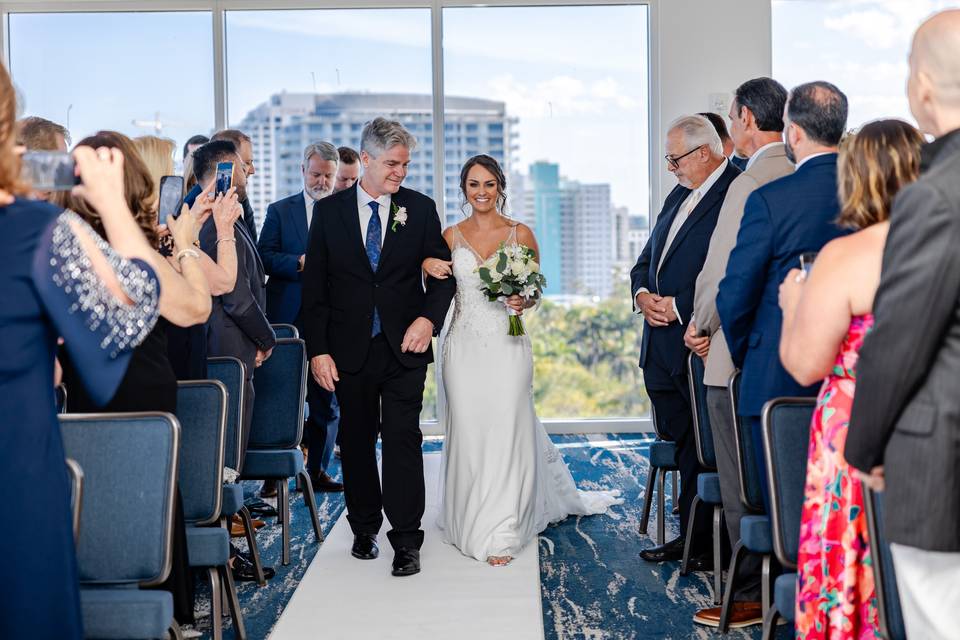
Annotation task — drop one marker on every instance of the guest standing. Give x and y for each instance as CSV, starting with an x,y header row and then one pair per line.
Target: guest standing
x,y
52,262
905,423
825,320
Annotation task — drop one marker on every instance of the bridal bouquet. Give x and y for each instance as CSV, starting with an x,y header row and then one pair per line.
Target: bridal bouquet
x,y
512,270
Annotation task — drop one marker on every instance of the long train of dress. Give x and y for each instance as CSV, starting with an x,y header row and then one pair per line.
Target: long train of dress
x,y
502,479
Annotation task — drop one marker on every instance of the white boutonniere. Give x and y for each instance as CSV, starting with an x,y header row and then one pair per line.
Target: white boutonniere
x,y
399,216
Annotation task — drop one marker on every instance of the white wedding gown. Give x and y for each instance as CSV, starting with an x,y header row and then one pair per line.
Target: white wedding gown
x,y
502,480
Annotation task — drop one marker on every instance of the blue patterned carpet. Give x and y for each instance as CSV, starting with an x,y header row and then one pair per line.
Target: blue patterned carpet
x,y
593,584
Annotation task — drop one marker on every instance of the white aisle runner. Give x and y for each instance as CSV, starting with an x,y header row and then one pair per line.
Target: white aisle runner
x,y
453,597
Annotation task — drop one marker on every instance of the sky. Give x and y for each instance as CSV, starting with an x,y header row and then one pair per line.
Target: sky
x,y
574,77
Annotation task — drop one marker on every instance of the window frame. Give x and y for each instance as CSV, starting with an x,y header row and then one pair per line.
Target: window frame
x,y
218,10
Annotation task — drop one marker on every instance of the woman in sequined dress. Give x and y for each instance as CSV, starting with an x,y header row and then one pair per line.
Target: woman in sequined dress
x,y
825,320
503,479
53,263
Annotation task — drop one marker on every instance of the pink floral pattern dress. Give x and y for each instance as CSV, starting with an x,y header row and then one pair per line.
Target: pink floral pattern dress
x,y
835,595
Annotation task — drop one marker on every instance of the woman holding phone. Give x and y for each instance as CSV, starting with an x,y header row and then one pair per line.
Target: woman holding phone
x,y
59,278
150,383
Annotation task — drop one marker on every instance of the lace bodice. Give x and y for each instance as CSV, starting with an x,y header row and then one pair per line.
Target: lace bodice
x,y
473,313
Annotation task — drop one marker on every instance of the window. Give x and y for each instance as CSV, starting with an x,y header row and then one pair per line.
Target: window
x,y
165,78
575,129
343,79
861,47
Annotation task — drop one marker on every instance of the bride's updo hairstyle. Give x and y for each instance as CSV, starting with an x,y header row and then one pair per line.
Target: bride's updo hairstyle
x,y
491,165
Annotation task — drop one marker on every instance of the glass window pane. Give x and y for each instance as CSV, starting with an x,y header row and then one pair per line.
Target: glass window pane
x,y
67,68
571,131
296,77
861,47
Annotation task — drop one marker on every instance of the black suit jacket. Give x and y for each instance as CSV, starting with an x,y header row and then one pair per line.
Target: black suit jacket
x,y
906,409
340,289
238,325
681,266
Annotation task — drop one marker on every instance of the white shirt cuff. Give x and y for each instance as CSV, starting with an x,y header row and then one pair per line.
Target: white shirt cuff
x,y
677,312
637,310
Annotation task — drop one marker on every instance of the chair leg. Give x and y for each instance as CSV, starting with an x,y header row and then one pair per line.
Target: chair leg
x,y
283,509
174,631
765,584
311,501
280,484
648,498
661,506
717,524
239,630
216,607
688,539
674,482
770,624
252,543
738,552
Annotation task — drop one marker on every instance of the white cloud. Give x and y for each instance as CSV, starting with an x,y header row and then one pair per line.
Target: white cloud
x,y
885,24
560,96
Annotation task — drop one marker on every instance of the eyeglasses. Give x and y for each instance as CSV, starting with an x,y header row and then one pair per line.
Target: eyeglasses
x,y
674,161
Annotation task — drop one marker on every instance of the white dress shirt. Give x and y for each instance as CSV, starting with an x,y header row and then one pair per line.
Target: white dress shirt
x,y
686,207
363,208
307,200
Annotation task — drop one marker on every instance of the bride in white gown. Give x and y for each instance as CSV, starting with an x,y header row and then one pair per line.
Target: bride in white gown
x,y
503,480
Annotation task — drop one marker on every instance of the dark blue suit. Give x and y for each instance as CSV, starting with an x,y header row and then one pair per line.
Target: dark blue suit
x,y
662,352
781,220
283,239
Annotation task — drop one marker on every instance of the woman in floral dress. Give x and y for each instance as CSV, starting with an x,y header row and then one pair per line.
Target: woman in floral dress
x,y
826,317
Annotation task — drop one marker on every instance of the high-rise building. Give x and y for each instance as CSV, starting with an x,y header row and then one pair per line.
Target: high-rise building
x,y
284,125
546,211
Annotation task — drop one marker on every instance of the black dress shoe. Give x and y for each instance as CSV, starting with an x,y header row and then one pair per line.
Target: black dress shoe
x,y
672,550
406,562
323,482
243,570
365,546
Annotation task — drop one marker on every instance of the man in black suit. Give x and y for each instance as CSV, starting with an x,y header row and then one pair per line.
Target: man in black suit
x,y
663,283
905,423
238,325
368,324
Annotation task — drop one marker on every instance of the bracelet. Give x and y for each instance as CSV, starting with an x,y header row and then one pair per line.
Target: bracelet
x,y
187,252
219,240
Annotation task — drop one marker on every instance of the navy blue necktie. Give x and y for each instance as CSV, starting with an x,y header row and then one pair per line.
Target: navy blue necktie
x,y
373,253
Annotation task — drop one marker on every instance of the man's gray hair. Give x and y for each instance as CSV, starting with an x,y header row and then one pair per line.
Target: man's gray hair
x,y
697,131
382,134
325,150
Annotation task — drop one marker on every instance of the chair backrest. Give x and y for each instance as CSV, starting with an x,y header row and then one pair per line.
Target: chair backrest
x,y
749,480
60,393
285,331
75,474
129,463
281,387
232,373
786,441
202,412
702,435
884,579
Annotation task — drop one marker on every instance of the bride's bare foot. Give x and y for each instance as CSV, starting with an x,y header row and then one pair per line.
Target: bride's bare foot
x,y
499,561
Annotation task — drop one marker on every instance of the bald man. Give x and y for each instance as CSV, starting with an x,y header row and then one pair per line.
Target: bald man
x,y
905,426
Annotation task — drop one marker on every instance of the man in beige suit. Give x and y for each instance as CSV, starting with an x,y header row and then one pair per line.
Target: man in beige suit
x,y
756,118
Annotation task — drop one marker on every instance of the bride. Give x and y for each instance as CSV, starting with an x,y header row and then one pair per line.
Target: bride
x,y
503,479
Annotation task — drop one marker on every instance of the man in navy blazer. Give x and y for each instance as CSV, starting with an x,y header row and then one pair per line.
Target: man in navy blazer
x,y
781,220
663,283
283,246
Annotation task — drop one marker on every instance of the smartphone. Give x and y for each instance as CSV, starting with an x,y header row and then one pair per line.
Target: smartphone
x,y
171,198
224,177
49,170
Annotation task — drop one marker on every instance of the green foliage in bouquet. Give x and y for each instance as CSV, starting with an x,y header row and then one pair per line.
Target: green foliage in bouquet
x,y
512,270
